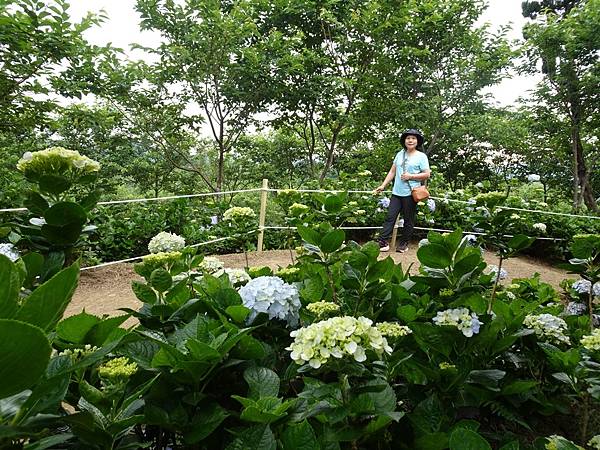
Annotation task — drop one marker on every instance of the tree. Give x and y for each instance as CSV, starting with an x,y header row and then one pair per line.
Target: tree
x,y
565,39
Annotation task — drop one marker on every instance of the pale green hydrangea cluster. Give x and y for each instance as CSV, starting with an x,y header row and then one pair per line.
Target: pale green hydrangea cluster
x,y
210,264
592,341
238,213
446,366
161,259
323,309
463,319
237,277
337,337
117,369
56,161
556,442
166,242
297,209
78,353
393,329
595,442
547,327
364,173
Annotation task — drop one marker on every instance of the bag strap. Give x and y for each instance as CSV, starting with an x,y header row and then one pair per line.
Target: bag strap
x,y
404,170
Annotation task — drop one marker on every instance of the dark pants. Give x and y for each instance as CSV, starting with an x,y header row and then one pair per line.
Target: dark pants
x,y
408,207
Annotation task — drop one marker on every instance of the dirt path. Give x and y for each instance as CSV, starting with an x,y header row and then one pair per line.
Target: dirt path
x,y
105,290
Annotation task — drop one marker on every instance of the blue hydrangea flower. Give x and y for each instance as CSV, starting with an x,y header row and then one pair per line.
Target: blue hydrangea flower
x,y
271,295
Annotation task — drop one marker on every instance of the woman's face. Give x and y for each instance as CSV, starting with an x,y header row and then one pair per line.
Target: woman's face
x,y
411,141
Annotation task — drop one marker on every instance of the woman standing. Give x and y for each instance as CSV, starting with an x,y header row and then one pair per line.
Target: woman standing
x,y
409,169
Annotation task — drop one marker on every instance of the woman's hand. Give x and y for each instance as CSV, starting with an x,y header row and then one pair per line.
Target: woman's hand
x,y
379,189
406,176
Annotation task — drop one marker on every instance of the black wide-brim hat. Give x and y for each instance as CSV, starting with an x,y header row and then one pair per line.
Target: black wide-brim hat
x,y
412,132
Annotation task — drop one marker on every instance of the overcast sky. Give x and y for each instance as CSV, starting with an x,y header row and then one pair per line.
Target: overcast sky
x,y
122,28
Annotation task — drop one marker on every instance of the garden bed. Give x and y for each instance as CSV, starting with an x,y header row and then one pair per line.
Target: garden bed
x,y
105,290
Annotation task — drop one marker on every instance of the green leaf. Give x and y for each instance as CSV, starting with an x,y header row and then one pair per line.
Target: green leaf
x,y
518,387
24,355
161,280
62,235
514,445
36,203
309,235
143,292
464,439
332,241
237,312
299,436
49,442
46,305
262,382
520,242
431,441
65,213
428,416
435,256
53,184
334,203
90,200
105,330
205,422
407,313
202,352
74,328
10,286
488,378
259,437
34,262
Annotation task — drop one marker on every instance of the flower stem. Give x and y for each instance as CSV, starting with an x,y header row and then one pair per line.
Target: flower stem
x,y
496,281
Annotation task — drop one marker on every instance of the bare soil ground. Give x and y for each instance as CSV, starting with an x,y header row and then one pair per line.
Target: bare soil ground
x,y
105,290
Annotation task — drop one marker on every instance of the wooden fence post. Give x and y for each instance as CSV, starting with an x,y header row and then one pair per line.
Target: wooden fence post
x,y
261,216
394,234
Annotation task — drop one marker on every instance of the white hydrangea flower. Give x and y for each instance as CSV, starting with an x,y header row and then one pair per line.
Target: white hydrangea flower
x,y
582,286
541,227
596,289
423,242
431,204
210,264
595,442
533,177
384,202
547,327
471,239
10,251
575,309
364,173
236,276
337,337
479,185
467,322
273,296
471,202
502,275
166,242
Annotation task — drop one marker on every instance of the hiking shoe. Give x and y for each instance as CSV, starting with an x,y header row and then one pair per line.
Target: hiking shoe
x,y
402,248
383,246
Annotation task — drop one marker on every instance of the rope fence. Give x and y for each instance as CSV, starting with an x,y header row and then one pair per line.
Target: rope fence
x,y
264,190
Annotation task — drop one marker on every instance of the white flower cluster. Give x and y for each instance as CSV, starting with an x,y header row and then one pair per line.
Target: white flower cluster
x,y
56,160
236,276
365,173
575,309
500,276
423,242
322,309
238,213
547,327
431,204
9,251
166,242
595,442
393,329
592,341
463,319
585,287
273,296
533,177
337,337
210,264
541,227
384,202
